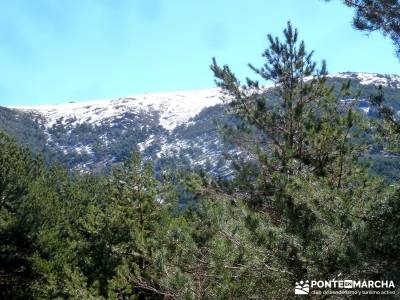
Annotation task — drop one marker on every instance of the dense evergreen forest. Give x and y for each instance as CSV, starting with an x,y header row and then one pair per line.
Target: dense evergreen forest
x,y
302,203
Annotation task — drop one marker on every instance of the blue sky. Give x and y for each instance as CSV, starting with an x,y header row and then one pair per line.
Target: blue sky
x,y
54,51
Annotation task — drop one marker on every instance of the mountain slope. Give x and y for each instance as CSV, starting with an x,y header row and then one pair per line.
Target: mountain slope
x,y
177,129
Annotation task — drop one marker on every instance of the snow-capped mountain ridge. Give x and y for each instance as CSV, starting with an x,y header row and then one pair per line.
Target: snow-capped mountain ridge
x,y
364,78
177,128
174,108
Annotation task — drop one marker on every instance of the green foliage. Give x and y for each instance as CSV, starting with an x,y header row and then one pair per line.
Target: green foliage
x,y
302,204
305,147
378,15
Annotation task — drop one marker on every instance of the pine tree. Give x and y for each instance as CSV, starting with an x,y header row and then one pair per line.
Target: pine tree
x,y
16,244
305,150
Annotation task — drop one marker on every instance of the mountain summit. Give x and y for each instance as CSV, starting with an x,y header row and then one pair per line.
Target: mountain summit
x,y
177,128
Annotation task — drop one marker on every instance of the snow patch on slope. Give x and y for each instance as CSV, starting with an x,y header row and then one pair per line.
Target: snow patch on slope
x,y
389,80
174,108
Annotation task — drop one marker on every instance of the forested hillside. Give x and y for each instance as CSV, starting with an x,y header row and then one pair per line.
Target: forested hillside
x,y
172,129
302,202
